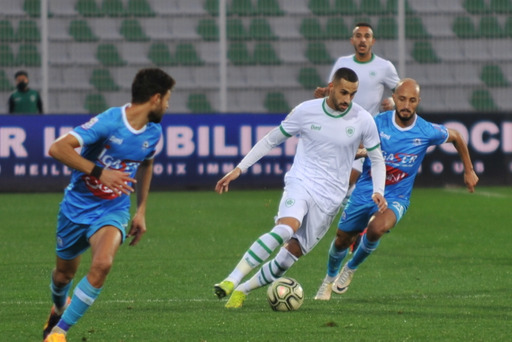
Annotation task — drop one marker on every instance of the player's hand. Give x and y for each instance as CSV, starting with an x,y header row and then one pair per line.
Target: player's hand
x,y
223,184
387,104
361,153
380,201
320,92
117,181
470,179
137,229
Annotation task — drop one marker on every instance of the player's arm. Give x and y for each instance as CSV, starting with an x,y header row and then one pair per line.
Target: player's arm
x,y
273,138
378,177
63,149
143,176
470,177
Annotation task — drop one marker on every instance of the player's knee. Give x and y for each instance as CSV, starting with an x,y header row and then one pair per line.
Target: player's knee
x,y
343,240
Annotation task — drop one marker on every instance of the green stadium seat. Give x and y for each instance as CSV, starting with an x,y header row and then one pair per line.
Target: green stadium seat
x,y
102,80
28,55
264,54
235,29
132,31
464,28
5,84
207,28
33,8
108,55
476,6
259,29
482,100
113,8
317,53
139,8
6,56
335,28
424,53
242,8
28,31
362,19
268,8
371,7
160,55
238,54
186,54
7,31
311,29
414,28
88,8
493,76
320,7
199,103
392,7
507,29
276,102
95,103
489,27
346,7
387,28
81,32
309,78
212,7
501,6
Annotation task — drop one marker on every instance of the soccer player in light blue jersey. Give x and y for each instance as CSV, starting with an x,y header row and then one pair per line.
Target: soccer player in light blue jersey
x,y
405,137
117,152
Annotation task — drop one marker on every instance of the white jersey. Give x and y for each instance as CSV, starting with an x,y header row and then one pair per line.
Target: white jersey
x,y
328,142
373,76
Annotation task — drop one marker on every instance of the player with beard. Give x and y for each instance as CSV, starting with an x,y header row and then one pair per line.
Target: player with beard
x,y
117,153
405,137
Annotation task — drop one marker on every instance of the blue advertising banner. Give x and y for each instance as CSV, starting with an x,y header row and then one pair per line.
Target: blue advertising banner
x,y
196,150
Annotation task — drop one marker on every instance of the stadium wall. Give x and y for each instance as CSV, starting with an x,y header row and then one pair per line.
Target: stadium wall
x,y
196,150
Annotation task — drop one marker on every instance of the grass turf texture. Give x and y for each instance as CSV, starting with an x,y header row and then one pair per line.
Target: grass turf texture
x,y
443,274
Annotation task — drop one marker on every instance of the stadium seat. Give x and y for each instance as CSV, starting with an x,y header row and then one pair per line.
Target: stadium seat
x,y
160,55
102,80
482,100
309,78
235,29
212,7
139,8
507,29
88,8
238,54
6,31
186,54
489,27
361,19
311,29
81,32
501,6
371,7
132,31
387,28
268,8
317,53
476,7
28,31
95,103
208,30
28,55
108,55
198,103
275,102
320,7
424,53
242,8
464,28
5,84
113,8
414,28
335,28
493,76
264,54
259,29
346,7
6,56
33,8
392,7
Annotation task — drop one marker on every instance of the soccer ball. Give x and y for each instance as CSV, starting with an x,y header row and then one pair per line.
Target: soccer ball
x,y
285,294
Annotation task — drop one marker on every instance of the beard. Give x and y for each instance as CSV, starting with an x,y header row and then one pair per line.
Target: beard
x,y
155,117
403,118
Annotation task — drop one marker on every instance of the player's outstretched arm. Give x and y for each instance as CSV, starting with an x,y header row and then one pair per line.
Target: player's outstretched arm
x,y
470,177
223,183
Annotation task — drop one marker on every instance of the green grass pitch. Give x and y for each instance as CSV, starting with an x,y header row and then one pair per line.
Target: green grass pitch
x,y
443,274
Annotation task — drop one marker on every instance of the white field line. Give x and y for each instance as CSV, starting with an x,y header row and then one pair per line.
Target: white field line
x,y
477,192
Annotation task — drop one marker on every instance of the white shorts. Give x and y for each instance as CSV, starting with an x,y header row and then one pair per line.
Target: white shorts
x,y
358,165
297,203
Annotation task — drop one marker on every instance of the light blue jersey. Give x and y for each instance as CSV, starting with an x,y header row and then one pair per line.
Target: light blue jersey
x,y
403,150
109,141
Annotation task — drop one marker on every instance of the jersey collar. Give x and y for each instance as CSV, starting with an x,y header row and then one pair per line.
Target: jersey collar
x,y
334,113
358,62
127,124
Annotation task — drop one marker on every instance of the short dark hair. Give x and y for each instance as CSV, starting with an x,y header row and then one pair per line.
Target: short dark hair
x,y
20,73
363,24
150,81
346,74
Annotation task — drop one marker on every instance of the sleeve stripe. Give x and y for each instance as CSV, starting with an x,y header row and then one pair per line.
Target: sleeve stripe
x,y
284,132
373,148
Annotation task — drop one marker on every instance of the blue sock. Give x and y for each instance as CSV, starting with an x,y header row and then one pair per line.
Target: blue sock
x,y
59,294
335,258
362,252
83,297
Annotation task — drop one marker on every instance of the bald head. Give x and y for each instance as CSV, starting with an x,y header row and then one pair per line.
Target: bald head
x,y
410,84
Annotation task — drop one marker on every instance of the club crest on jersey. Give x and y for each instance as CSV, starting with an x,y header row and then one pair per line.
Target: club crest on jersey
x,y
350,131
145,144
289,202
417,142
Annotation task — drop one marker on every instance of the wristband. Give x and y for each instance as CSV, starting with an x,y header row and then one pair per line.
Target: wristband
x,y
96,171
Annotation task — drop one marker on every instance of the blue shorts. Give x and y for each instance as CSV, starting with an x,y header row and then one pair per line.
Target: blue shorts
x,y
356,215
73,238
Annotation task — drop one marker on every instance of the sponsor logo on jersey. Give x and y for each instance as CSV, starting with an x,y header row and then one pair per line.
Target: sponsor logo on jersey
x,y
316,127
89,123
385,136
98,189
116,140
394,175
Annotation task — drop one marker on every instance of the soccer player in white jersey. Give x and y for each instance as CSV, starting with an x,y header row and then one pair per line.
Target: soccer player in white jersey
x,y
330,131
405,137
118,146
